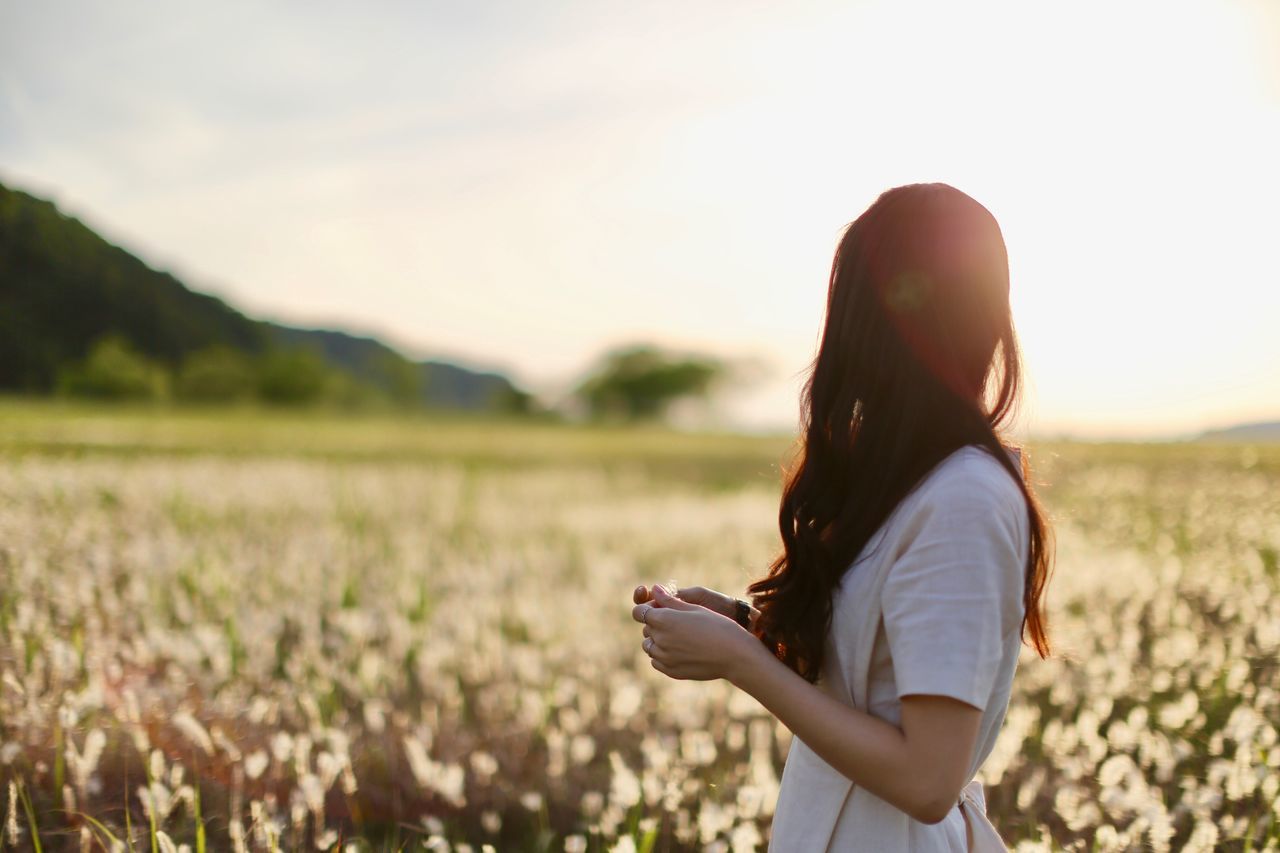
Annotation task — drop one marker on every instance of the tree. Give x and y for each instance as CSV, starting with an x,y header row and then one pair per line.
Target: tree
x,y
401,379
292,376
114,370
216,374
640,382
510,400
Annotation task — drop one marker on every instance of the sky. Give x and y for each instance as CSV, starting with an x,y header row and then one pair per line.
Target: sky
x,y
523,186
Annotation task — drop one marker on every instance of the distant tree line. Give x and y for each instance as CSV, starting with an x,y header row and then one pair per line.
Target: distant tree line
x,y
115,370
633,383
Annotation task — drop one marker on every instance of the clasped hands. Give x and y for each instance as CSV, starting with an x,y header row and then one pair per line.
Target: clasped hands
x,y
690,635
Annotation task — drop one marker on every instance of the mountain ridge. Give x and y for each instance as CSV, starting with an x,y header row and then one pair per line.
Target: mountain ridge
x,y
1257,431
63,286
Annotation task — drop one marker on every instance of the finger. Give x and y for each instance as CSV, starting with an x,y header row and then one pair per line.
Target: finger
x,y
692,594
663,668
663,599
646,631
657,616
638,612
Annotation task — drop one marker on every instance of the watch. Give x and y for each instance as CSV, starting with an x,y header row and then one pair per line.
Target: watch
x,y
742,613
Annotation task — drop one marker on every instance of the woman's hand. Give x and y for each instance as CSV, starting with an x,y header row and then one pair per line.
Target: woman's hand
x,y
690,641
708,598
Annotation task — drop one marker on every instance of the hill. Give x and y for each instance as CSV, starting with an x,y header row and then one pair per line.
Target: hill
x,y
441,383
63,287
1257,432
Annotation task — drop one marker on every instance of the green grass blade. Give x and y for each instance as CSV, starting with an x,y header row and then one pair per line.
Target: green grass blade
x,y
31,816
128,822
199,821
98,827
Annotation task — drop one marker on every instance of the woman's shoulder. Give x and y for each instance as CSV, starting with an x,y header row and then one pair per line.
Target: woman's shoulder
x,y
970,476
974,465
969,493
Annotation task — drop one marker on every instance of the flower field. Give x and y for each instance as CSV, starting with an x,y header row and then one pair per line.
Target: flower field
x,y
257,632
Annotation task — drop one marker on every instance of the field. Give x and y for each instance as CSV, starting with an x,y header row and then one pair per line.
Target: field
x,y
262,631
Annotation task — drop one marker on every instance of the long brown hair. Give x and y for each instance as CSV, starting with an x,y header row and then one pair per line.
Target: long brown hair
x,y
918,358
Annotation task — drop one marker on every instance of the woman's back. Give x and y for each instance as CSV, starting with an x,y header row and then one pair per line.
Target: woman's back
x,y
934,606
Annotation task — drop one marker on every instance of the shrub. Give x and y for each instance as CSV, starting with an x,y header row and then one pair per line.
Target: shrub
x,y
292,376
114,370
217,374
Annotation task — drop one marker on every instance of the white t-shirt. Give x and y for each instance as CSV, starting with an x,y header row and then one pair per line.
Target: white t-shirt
x,y
943,578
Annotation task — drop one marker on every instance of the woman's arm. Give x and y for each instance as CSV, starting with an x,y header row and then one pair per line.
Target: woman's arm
x,y
919,768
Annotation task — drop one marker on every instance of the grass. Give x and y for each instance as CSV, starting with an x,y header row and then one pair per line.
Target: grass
x,y
317,590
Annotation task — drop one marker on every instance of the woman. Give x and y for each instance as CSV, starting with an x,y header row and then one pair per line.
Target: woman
x,y
915,555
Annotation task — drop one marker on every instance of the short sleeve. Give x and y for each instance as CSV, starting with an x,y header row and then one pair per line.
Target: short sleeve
x,y
951,595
